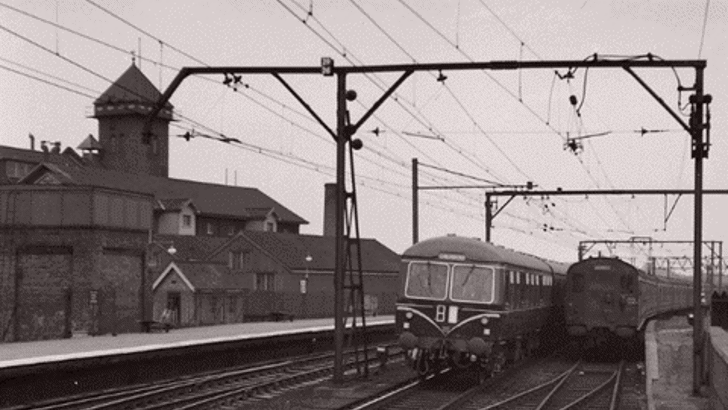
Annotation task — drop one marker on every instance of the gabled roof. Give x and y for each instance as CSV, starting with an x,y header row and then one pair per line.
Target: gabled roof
x,y
132,87
189,247
292,249
202,276
261,213
174,204
209,199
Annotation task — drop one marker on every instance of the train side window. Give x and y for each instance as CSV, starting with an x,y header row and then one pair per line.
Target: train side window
x,y
577,283
627,283
541,288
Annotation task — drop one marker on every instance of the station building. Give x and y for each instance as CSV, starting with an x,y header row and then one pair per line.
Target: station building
x,y
85,239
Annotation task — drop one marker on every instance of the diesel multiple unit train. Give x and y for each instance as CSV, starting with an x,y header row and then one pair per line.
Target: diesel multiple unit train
x,y
608,298
465,303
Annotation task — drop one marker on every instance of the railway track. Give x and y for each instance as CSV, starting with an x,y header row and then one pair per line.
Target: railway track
x,y
547,384
212,390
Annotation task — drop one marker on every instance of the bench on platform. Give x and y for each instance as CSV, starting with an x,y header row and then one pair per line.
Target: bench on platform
x,y
279,316
164,322
149,325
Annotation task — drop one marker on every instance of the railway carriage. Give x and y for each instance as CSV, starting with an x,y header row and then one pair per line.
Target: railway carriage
x,y
464,302
607,297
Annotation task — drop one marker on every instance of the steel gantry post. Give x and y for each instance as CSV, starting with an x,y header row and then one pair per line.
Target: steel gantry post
x,y
341,139
344,131
696,130
415,204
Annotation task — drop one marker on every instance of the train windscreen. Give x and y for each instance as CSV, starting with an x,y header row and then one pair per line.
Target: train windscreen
x,y
472,284
426,280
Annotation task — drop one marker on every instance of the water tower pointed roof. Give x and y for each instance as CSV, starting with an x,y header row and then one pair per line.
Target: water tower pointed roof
x,y
90,144
132,87
131,94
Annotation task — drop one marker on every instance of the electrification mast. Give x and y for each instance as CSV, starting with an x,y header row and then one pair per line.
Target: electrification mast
x,y
344,132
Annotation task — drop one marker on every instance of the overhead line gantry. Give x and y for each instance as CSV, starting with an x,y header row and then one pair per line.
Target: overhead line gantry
x,y
345,130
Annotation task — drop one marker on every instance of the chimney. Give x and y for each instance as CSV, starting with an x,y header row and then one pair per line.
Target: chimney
x,y
330,210
44,148
56,148
32,142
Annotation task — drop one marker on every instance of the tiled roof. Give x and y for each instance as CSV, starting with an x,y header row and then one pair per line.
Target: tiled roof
x,y
27,155
292,249
259,213
132,87
174,204
205,275
190,248
209,199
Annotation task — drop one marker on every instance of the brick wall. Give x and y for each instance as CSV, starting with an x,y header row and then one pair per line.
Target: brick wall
x,y
38,264
43,280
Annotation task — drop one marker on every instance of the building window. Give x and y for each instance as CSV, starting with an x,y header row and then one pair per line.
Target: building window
x,y
236,260
231,230
265,281
270,226
210,231
17,169
186,221
155,145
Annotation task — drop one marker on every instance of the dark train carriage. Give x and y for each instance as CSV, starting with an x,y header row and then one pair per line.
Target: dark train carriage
x,y
467,301
609,297
602,294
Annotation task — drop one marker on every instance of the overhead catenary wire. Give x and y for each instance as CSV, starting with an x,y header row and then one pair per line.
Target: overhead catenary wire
x,y
106,44
47,82
263,151
350,57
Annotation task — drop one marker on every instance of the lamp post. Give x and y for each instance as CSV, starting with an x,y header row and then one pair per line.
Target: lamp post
x,y
304,287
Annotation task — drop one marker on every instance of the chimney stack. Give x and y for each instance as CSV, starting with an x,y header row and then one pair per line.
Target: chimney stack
x,y
32,142
330,209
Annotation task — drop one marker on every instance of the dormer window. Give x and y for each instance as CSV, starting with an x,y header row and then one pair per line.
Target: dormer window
x,y
186,221
210,230
270,226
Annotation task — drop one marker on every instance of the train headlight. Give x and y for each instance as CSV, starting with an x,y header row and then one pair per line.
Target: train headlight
x,y
408,315
407,340
406,325
477,346
484,321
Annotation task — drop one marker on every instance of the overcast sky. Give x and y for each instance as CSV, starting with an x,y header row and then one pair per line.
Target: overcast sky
x,y
506,127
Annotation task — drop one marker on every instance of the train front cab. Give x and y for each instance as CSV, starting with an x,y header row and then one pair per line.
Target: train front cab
x,y
453,310
602,298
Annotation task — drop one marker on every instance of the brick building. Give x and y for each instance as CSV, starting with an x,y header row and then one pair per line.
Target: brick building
x,y
256,273
84,237
71,260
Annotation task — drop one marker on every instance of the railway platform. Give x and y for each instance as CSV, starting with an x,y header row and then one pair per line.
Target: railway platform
x,y
669,366
43,370
48,351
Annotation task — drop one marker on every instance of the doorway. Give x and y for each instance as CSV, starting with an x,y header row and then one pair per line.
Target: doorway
x,y
174,307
